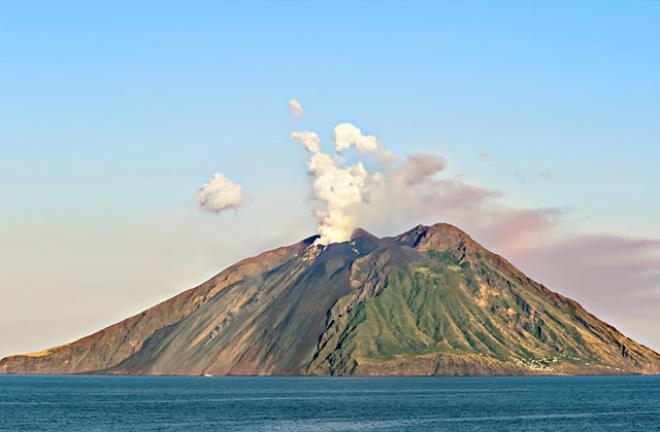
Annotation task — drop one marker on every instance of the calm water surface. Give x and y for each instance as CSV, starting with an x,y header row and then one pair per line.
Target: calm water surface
x,y
94,403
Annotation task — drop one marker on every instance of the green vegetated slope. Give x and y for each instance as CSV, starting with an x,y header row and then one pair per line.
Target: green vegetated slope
x,y
464,311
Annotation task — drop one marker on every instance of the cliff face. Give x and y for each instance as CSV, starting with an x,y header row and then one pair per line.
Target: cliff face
x,y
428,302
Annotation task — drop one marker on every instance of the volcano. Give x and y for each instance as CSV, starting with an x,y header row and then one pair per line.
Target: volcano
x,y
431,301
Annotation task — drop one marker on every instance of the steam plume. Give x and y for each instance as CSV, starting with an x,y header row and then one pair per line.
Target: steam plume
x,y
347,134
336,187
399,193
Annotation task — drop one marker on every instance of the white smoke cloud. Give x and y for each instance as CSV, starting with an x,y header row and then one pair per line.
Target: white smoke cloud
x,y
394,196
310,140
337,188
296,108
347,134
219,194
349,196
398,194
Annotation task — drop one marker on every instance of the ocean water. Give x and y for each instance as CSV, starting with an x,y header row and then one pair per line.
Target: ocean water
x,y
97,403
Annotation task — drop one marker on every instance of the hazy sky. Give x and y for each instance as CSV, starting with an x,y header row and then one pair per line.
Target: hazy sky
x,y
113,114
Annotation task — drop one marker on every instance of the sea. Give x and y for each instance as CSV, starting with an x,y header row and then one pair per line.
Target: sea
x,y
297,404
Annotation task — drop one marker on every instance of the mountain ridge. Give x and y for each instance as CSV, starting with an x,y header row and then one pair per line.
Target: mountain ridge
x,y
430,301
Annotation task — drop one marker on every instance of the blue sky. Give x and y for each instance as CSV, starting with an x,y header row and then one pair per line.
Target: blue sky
x,y
114,113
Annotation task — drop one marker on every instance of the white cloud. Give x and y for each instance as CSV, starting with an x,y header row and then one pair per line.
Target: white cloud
x,y
296,108
219,194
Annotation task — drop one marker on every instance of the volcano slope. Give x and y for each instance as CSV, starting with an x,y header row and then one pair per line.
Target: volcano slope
x,y
430,301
